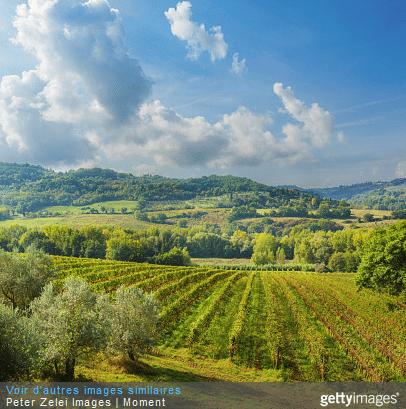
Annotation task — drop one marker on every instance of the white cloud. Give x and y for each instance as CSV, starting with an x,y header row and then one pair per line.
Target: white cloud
x,y
401,169
198,39
241,138
85,83
85,100
238,67
318,125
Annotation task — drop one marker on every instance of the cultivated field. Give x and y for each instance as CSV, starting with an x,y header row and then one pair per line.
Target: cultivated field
x,y
228,325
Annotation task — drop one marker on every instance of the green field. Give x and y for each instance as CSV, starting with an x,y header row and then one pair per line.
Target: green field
x,y
226,325
80,220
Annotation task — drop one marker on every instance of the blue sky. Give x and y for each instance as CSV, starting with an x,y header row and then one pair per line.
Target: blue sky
x,y
310,93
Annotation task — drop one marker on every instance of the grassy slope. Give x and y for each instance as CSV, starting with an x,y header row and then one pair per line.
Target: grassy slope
x,y
168,365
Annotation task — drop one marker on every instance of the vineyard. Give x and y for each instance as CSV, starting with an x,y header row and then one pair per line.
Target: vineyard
x,y
300,326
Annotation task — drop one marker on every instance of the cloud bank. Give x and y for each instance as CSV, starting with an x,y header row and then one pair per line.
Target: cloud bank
x,y
196,36
84,86
86,100
242,138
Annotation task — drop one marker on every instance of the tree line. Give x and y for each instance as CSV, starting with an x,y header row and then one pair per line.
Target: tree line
x,y
315,242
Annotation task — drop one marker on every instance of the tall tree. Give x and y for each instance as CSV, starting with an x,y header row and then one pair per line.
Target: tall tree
x,y
383,261
264,249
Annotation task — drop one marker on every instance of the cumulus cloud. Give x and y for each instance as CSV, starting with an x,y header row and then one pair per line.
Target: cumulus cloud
x,y
198,39
242,138
238,67
86,100
318,125
84,87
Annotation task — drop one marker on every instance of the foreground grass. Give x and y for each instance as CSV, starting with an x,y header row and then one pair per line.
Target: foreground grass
x,y
170,365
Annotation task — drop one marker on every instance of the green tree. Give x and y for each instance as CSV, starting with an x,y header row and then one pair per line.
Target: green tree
x,y
280,255
174,257
38,239
141,216
182,223
18,352
324,211
383,261
337,262
23,276
124,249
133,322
264,249
368,217
321,246
161,218
304,251
352,261
69,324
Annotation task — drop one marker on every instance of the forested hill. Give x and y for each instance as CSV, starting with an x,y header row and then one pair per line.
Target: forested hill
x,y
30,188
14,174
374,195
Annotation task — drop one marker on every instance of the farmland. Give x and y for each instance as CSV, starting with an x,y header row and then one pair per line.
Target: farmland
x,y
237,325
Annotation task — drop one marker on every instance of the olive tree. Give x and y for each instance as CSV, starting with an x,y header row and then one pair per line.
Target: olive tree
x,y
23,276
69,323
18,352
133,319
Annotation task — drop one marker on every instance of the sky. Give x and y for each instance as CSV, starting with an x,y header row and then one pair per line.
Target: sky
x,y
308,93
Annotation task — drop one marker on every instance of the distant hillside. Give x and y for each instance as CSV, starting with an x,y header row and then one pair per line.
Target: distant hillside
x,y
31,188
27,188
374,195
15,174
